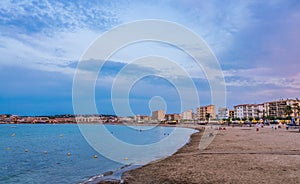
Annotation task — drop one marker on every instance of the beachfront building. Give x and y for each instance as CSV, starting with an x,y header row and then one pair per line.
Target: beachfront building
x,y
223,113
245,111
231,114
141,118
86,119
9,118
41,120
204,111
158,115
187,115
174,118
278,108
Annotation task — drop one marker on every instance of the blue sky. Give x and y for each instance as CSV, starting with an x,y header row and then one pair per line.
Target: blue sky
x,y
256,43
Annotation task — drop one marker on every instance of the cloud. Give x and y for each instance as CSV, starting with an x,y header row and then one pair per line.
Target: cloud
x,y
260,77
48,53
59,15
256,42
216,22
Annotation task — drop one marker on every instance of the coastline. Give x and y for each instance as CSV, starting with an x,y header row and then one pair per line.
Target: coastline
x,y
237,155
191,144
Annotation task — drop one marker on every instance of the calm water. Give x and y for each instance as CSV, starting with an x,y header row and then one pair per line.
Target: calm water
x,y
33,166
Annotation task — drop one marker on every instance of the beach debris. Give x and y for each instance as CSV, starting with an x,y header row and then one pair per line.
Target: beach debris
x,y
8,148
45,152
69,154
13,134
125,158
60,135
26,150
95,156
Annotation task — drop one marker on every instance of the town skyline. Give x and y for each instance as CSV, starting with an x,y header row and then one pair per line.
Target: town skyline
x,y
268,109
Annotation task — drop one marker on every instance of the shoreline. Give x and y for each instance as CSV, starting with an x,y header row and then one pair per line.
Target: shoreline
x,y
190,143
237,155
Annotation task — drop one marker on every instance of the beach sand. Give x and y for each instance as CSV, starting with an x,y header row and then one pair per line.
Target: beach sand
x,y
237,155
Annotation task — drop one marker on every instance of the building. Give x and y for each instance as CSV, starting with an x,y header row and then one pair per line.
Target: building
x,y
248,111
231,114
158,115
187,115
174,118
140,118
278,108
223,113
86,119
203,111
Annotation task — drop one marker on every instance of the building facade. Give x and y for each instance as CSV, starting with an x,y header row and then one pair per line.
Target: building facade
x,y
172,117
278,108
158,115
203,111
187,115
231,114
139,117
223,113
249,111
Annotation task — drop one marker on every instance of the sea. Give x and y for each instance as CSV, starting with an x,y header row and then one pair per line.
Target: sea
x,y
60,153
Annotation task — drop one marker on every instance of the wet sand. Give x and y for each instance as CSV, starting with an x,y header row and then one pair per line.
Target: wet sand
x,y
237,155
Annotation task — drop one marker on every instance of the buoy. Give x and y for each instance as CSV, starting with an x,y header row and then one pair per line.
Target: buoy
x,y
45,152
60,135
95,156
26,150
69,154
13,134
125,158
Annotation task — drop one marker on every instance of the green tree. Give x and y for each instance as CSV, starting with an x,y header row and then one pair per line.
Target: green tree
x,y
207,117
288,111
296,110
271,117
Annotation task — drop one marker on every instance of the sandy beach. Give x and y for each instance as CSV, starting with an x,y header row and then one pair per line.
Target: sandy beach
x,y
237,155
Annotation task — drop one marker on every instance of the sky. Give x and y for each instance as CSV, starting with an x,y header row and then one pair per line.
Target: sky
x,y
256,44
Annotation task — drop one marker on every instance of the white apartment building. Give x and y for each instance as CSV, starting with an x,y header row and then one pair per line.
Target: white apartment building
x,y
248,110
187,115
223,113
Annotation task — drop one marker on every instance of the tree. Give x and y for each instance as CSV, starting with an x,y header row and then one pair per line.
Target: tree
x,y
288,111
207,117
271,117
250,118
296,110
